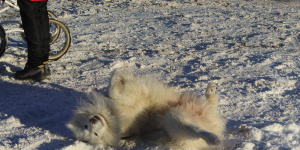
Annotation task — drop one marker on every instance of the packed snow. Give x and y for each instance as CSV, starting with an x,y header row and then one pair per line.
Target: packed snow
x,y
249,48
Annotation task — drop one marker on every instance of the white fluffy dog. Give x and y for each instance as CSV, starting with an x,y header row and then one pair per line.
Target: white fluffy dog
x,y
138,106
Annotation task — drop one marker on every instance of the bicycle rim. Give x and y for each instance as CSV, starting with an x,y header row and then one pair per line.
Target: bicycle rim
x,y
61,44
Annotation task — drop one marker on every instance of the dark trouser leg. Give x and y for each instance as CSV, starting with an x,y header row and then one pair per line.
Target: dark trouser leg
x,y
36,27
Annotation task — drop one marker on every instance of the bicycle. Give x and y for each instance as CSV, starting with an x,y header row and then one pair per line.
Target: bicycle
x,y
60,39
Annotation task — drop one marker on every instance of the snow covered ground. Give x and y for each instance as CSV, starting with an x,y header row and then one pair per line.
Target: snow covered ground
x,y
249,48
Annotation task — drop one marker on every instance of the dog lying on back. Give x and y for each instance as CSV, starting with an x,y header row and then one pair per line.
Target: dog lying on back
x,y
137,106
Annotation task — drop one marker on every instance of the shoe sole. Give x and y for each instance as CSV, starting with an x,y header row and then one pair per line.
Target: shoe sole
x,y
39,77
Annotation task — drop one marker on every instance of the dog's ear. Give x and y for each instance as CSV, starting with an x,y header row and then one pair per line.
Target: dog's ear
x,y
75,123
71,126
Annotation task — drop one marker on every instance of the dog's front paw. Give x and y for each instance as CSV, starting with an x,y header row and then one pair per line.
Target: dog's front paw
x,y
211,89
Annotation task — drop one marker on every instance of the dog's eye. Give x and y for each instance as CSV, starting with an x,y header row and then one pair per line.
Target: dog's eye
x,y
96,134
86,127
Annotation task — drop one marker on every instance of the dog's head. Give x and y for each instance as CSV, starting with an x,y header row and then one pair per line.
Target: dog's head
x,y
88,128
96,122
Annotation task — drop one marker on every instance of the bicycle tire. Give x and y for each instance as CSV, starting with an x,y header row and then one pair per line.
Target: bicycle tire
x,y
54,36
3,41
61,45
51,14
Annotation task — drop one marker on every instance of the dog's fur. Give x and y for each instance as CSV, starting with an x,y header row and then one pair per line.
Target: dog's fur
x,y
137,106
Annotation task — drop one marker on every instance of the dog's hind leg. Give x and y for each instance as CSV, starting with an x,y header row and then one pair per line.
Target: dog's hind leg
x,y
209,137
180,127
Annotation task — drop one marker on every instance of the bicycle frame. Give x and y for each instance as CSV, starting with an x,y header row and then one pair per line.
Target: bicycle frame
x,y
11,4
13,29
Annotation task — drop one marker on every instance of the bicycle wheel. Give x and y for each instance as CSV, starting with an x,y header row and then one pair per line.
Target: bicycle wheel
x,y
61,44
54,35
51,15
3,40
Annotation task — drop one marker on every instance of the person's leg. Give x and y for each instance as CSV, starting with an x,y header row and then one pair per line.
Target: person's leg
x,y
36,28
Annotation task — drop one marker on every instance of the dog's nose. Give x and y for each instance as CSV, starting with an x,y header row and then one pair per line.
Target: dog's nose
x,y
93,121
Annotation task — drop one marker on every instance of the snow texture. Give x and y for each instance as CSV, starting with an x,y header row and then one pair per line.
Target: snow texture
x,y
249,48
